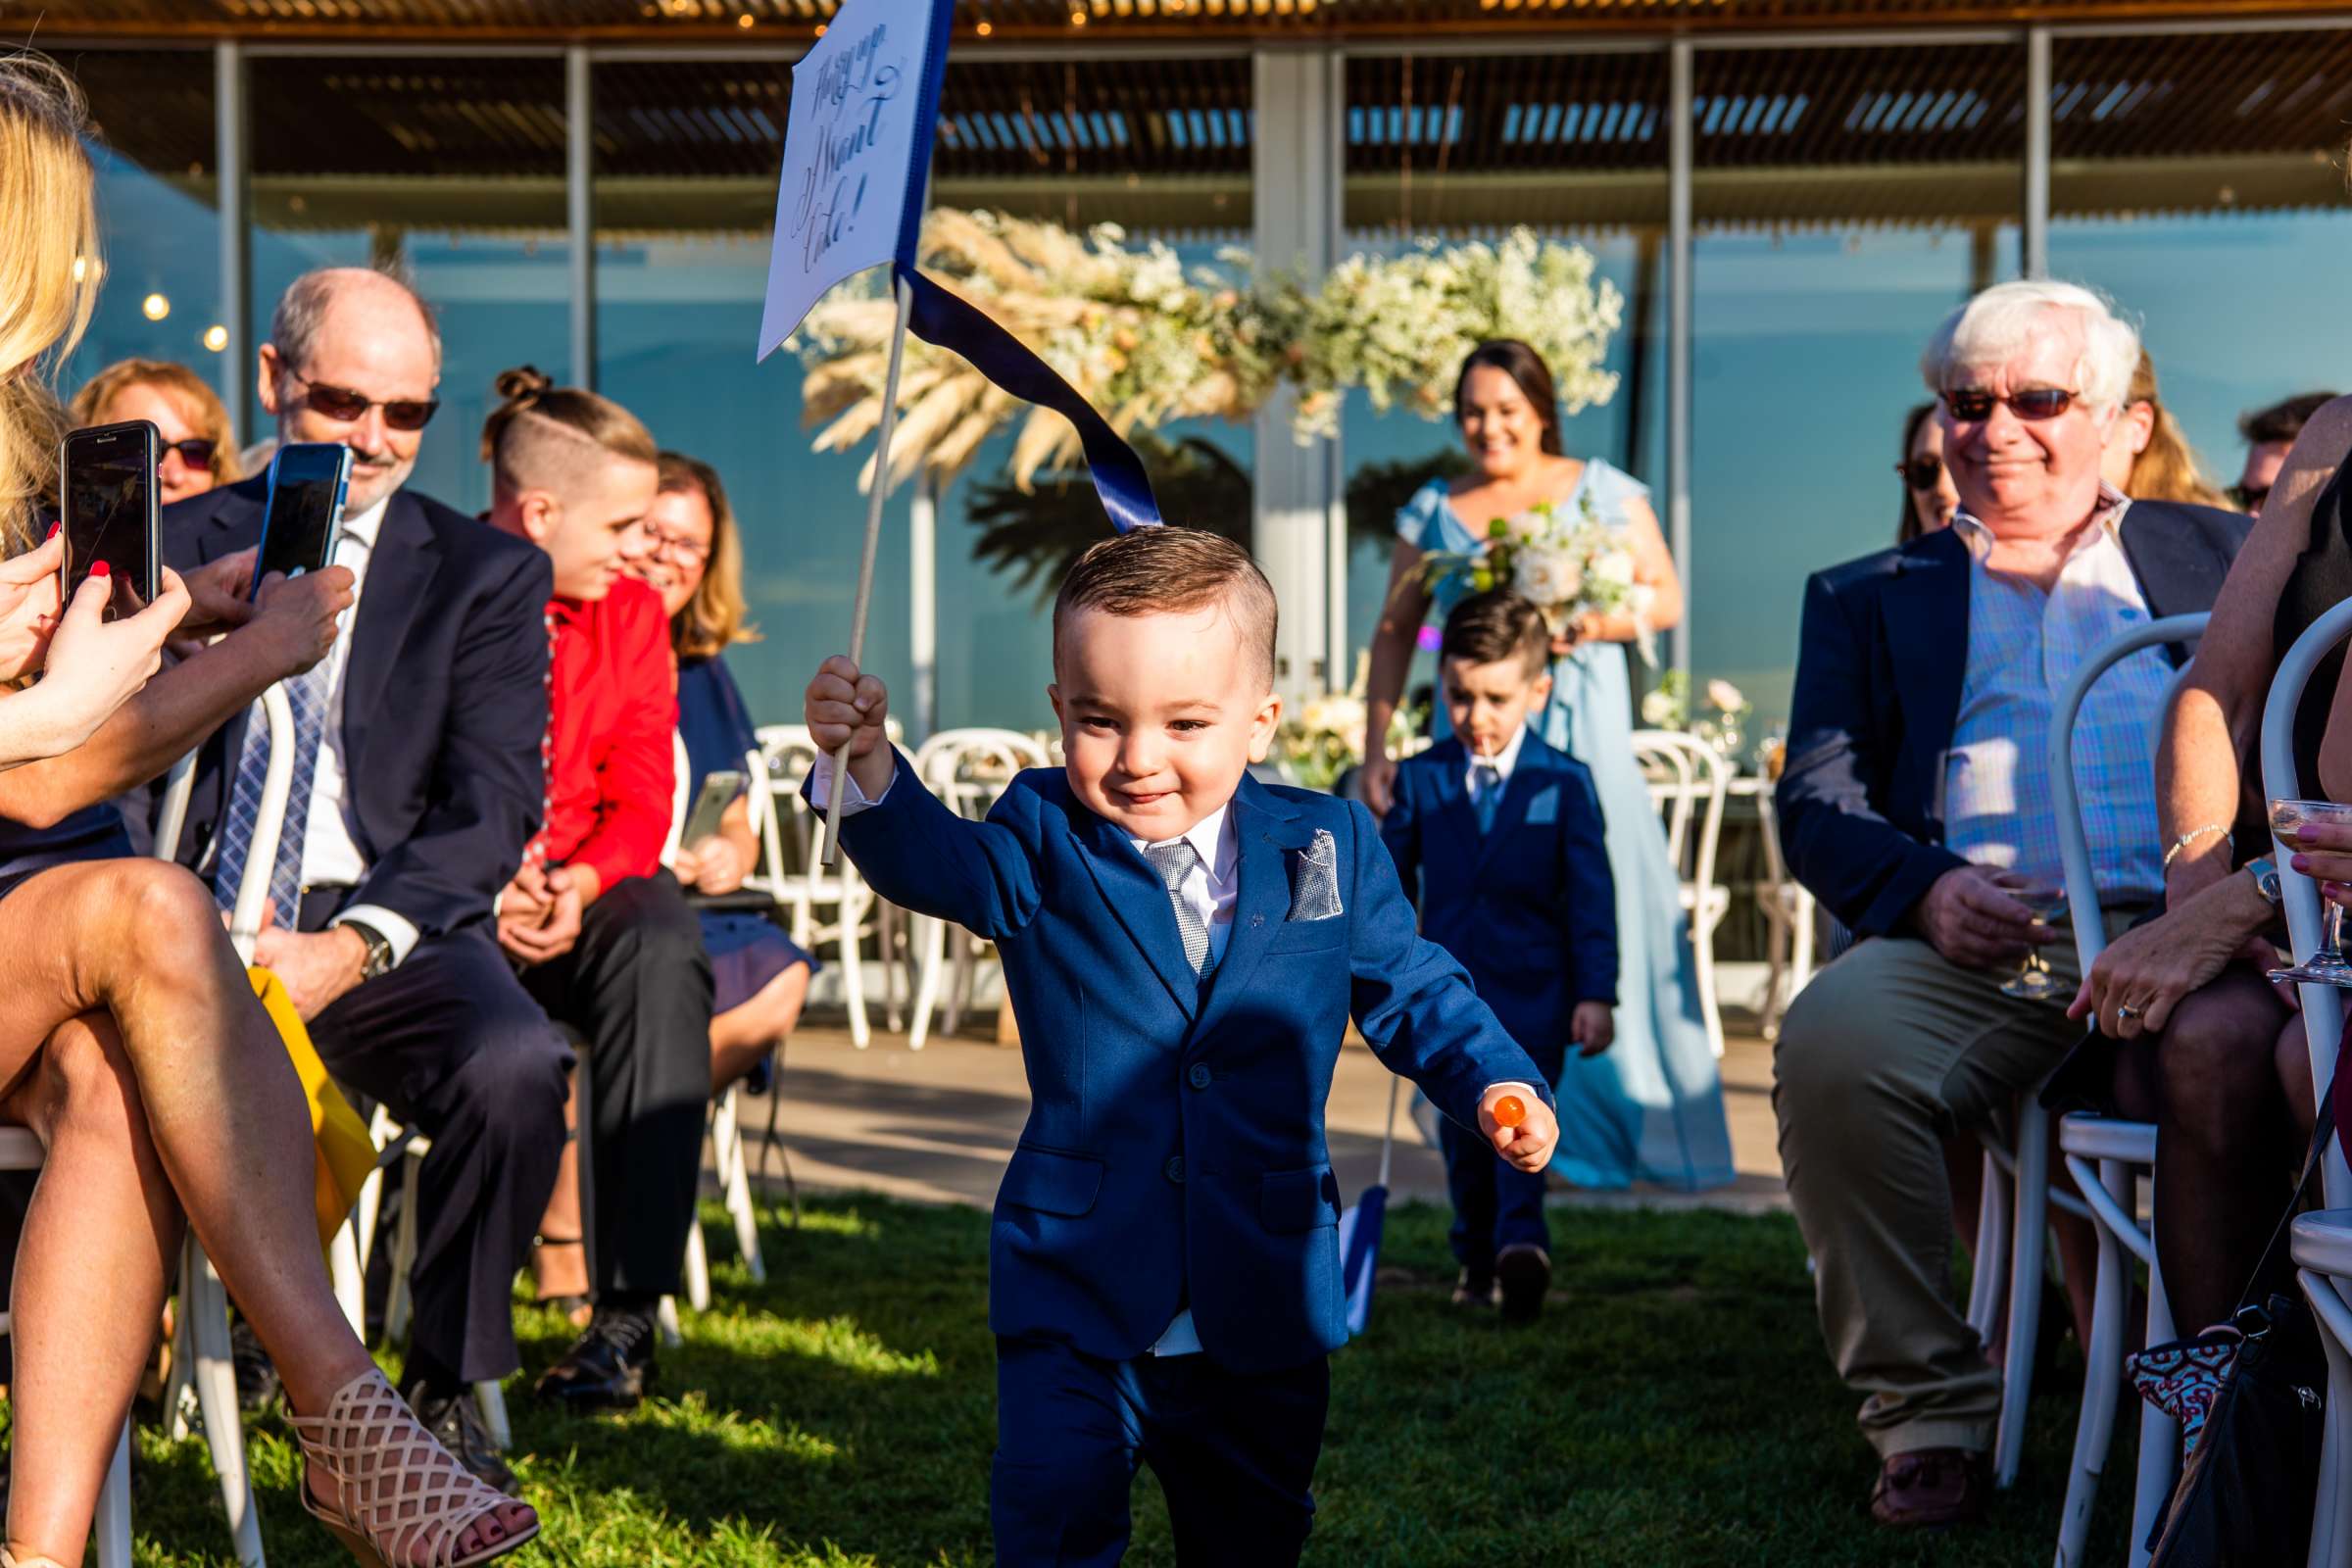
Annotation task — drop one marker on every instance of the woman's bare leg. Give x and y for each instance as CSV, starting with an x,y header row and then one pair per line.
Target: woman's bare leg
x,y
224,1107
743,1034
99,1240
560,1263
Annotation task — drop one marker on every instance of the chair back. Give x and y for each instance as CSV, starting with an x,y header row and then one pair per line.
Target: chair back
x,y
679,770
1689,780
270,821
2323,1006
2074,845
968,768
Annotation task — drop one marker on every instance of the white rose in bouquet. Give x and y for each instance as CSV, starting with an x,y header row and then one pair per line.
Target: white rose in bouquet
x,y
1613,569
1529,526
1550,577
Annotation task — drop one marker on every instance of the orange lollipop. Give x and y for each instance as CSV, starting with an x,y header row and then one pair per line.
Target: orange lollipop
x,y
1510,1111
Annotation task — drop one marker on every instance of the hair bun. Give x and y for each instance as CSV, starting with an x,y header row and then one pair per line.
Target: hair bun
x,y
522,384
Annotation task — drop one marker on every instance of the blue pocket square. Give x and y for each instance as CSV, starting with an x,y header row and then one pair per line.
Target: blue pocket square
x,y
1315,880
1544,807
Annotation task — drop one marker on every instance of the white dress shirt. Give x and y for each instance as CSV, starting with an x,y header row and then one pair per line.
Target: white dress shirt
x,y
1501,762
330,852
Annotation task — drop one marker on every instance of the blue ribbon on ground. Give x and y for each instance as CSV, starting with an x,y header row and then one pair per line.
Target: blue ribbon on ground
x,y
945,320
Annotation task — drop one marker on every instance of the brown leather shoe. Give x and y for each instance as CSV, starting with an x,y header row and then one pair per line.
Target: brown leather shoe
x,y
1931,1489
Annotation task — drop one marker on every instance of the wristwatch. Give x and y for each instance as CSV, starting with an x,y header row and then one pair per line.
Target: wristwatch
x,y
2265,872
379,948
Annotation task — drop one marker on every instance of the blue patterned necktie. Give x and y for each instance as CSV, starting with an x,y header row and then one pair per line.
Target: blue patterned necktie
x,y
306,694
1486,791
1173,861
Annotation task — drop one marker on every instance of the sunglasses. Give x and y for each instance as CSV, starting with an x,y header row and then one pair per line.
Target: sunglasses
x,y
1922,474
346,407
1974,404
195,452
2249,497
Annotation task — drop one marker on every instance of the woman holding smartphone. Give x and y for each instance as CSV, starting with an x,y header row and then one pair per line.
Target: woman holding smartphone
x,y
130,1040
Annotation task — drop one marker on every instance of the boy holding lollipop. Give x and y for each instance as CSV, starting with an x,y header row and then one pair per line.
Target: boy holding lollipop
x,y
1183,947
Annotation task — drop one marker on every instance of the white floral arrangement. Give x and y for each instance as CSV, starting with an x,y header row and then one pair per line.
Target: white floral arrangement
x,y
1399,328
1667,705
1324,736
1565,560
1146,340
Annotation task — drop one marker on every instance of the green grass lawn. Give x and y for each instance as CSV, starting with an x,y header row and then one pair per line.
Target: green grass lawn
x,y
1673,1407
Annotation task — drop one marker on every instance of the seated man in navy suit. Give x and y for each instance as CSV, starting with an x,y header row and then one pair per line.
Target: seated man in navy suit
x,y
1502,840
1916,805
418,784
1183,947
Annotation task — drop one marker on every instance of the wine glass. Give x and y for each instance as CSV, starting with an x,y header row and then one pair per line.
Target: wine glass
x,y
2327,966
2033,981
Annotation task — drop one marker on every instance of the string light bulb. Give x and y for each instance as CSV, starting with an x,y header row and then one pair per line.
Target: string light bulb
x,y
155,307
216,337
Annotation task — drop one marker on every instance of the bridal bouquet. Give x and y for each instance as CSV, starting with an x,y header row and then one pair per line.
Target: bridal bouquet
x,y
1564,559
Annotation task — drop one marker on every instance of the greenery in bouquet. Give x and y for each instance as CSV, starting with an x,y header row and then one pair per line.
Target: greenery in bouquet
x,y
1564,559
1401,326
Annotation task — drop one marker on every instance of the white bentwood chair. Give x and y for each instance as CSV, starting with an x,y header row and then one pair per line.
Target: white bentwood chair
x,y
2321,1241
2121,1151
967,769
802,886
1688,781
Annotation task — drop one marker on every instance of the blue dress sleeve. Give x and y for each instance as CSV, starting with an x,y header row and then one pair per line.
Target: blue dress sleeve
x,y
1421,521
1612,489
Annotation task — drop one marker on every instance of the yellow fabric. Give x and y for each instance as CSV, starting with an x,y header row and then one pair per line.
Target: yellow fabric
x,y
346,1154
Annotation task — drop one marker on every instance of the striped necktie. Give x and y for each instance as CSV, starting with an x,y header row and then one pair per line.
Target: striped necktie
x,y
306,694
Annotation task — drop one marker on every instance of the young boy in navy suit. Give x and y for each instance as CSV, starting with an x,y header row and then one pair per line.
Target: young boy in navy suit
x,y
1500,837
1183,947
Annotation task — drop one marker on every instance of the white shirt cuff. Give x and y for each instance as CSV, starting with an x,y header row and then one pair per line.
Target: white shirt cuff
x,y
821,789
397,929
1524,1090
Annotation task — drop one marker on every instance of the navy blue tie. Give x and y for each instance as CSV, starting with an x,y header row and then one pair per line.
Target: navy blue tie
x,y
1486,793
306,694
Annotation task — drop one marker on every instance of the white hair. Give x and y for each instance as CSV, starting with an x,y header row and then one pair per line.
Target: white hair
x,y
1998,325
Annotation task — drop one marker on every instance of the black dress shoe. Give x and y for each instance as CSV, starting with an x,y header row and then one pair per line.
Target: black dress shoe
x,y
611,1368
258,1385
1524,1273
457,1426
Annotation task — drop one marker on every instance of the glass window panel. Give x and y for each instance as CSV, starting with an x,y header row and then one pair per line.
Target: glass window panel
x,y
2200,181
157,210
450,168
1846,200
1439,150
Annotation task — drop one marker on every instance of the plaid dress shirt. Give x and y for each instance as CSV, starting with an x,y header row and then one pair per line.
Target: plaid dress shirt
x,y
2023,646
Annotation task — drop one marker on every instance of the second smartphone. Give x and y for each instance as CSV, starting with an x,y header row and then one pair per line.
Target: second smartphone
x,y
108,484
305,511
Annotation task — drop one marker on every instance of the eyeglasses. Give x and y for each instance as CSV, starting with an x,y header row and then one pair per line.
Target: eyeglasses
x,y
195,452
1922,474
346,407
1972,404
678,548
2249,497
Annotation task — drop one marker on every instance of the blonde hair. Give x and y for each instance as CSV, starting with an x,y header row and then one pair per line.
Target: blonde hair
x,y
711,621
197,401
49,269
537,436
2167,468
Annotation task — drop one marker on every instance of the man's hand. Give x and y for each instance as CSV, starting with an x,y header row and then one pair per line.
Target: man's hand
x,y
2149,968
298,615
316,969
539,913
29,606
219,595
1970,919
843,705
716,865
1528,1146
1593,1027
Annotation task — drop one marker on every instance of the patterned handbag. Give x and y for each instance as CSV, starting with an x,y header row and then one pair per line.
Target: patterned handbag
x,y
2183,1378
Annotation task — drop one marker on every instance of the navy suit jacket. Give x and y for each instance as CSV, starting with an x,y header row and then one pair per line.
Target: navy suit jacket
x,y
1528,906
1879,671
1174,1154
444,701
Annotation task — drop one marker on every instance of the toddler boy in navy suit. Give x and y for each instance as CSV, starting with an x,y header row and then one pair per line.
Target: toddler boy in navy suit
x,y
1499,835
1183,947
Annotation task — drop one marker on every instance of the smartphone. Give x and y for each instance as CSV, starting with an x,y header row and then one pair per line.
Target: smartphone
x,y
301,522
720,790
106,477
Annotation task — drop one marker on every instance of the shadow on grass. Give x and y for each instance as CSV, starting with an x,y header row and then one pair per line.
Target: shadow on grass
x,y
1673,1407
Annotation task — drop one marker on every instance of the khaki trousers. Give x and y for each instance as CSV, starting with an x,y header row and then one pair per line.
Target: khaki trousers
x,y
1888,1051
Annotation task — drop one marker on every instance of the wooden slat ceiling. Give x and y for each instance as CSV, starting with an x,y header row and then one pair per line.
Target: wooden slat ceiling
x,y
1007,20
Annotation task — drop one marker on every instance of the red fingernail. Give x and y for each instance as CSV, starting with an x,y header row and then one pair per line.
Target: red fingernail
x,y
52,533
99,568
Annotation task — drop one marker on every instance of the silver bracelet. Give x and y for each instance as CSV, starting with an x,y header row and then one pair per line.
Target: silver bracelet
x,y
2191,837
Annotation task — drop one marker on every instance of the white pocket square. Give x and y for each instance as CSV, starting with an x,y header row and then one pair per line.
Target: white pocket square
x,y
1315,880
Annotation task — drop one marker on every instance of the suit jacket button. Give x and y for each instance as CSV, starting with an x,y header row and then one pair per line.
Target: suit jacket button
x,y
1174,1169
1200,1076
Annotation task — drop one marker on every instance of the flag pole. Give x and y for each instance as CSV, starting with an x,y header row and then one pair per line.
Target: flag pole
x,y
877,493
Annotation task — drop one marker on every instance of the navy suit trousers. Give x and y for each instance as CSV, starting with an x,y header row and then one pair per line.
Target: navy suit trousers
x,y
1235,1454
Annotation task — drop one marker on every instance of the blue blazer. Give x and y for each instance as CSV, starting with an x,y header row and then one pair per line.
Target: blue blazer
x,y
444,701
1174,1154
1528,906
1878,668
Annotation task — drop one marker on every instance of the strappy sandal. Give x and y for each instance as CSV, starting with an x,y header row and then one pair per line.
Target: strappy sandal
x,y
576,1310
397,1489
9,1559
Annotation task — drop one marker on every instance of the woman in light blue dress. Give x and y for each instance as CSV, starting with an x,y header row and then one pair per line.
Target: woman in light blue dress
x,y
1651,1109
